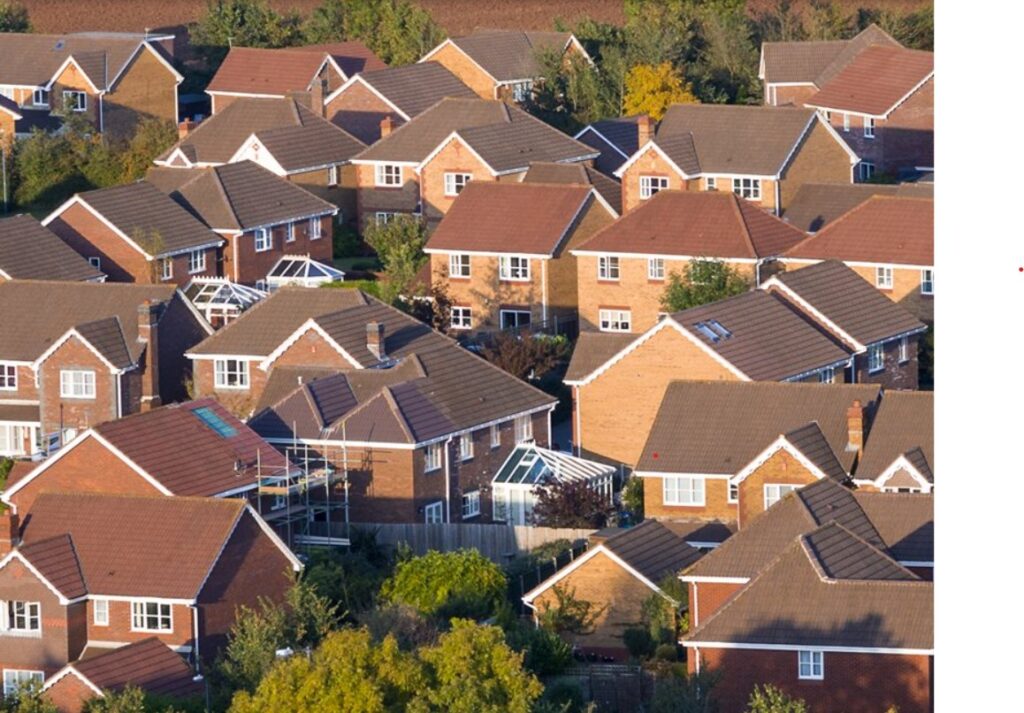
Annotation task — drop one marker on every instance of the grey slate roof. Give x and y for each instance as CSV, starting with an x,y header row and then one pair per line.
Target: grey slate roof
x,y
842,555
28,251
510,54
620,132
653,549
514,146
414,88
107,337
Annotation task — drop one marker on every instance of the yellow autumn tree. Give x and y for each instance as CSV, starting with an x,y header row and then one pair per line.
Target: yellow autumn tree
x,y
652,88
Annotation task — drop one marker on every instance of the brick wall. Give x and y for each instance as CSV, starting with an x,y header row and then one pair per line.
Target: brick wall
x,y
894,374
69,694
57,412
245,265
73,80
781,468
48,652
119,614
485,293
716,502
706,598
818,159
456,62
455,157
147,89
563,291
905,291
239,401
371,198
342,195
359,111
649,164
90,237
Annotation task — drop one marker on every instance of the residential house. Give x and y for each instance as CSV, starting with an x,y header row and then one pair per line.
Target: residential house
x,y
114,79
577,174
815,205
887,240
906,523
28,251
420,167
811,598
417,424
617,139
501,253
261,216
504,64
136,233
196,449
87,571
75,354
899,454
278,73
767,334
618,575
625,268
284,136
148,665
763,154
398,94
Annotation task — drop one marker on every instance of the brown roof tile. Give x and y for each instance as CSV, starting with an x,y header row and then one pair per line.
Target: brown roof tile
x,y
654,549
148,664
415,88
815,205
578,174
33,59
510,54
812,444
55,559
28,251
593,350
905,521
798,61
875,80
839,554
252,70
905,421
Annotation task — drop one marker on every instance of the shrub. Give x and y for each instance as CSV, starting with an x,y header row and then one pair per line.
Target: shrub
x,y
638,642
461,583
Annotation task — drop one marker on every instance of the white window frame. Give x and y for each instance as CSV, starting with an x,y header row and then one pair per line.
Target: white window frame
x,y
514,268
101,612
827,375
16,678
332,176
77,384
495,435
433,514
263,239
846,122
523,429
734,493
196,261
459,265
141,618
656,268
683,490
866,170
80,103
315,228
461,317
8,376
166,268
876,358
615,320
521,91
95,262
883,277
810,665
711,183
774,492
230,374
387,175
454,182
432,457
40,97
904,350
748,188
503,312
869,127
289,233
29,613
649,185
928,282
466,447
608,267
470,504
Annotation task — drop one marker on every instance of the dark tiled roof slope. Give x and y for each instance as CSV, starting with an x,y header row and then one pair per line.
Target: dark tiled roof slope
x,y
148,664
593,350
578,174
905,421
415,88
510,54
812,444
842,555
905,521
816,205
28,251
55,559
653,549
252,70
33,59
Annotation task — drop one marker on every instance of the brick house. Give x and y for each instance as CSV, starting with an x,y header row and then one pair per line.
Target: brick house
x,y
503,64
287,136
75,354
899,455
143,454
761,153
396,93
815,205
262,217
422,166
90,571
887,240
810,598
502,253
147,664
29,251
617,574
136,233
417,424
278,73
626,266
113,78
617,139
577,174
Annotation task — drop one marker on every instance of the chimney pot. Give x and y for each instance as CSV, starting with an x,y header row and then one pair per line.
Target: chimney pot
x,y
386,126
185,128
644,130
9,531
375,339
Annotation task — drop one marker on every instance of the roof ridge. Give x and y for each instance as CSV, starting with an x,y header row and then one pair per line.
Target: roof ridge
x,y
745,225
218,182
815,562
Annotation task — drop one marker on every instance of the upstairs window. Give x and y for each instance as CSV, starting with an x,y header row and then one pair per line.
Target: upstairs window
x,y
151,616
289,235
75,101
388,175
749,188
315,229
775,493
810,665
656,268
682,491
649,185
521,91
230,374
196,261
332,176
466,446
8,377
927,282
846,122
869,127
41,97
608,267
883,277
495,435
432,457
827,375
455,182
876,358
615,320
77,384
711,183
20,618
166,268
523,429
904,350
458,265
514,267
101,612
264,240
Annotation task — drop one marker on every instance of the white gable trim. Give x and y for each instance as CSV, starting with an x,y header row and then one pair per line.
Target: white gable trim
x,y
780,444
774,281
77,199
16,555
263,157
305,327
607,206
147,46
177,153
854,158
642,150
69,669
359,79
218,92
296,564
713,580
901,463
598,134
60,70
554,579
452,137
12,112
431,53
664,256
67,335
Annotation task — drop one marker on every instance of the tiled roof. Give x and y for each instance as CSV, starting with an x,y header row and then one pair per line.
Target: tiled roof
x,y
842,555
510,54
905,422
738,420
148,664
415,88
514,146
815,205
810,442
905,521
149,218
696,224
817,62
653,549
33,59
55,559
875,81
620,132
579,174
37,313
238,196
251,70
137,546
882,229
593,350
28,251
531,218
849,301
107,337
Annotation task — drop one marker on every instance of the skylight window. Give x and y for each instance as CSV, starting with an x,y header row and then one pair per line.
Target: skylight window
x,y
717,327
708,332
215,422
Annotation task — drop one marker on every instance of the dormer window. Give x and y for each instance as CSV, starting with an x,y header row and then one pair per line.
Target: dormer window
x,y
649,185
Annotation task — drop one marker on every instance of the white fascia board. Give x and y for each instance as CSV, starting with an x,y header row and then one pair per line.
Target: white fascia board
x,y
359,79
278,542
236,357
64,65
309,324
68,335
774,281
482,253
16,555
674,474
663,256
77,199
713,580
244,94
444,143
590,127
661,152
780,444
71,670
805,647
854,158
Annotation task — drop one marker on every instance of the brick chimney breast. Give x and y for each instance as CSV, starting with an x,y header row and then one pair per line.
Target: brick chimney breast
x,y
375,340
386,126
855,427
644,130
9,531
185,128
149,315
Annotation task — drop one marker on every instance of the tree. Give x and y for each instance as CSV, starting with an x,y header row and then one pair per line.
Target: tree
x,y
14,17
652,89
526,356
399,246
568,615
769,699
571,92
570,503
442,585
242,23
28,699
473,670
702,281
633,498
686,694
132,699
398,31
151,138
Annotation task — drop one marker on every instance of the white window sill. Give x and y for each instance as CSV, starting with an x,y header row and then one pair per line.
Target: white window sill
x,y
78,398
152,631
231,388
18,634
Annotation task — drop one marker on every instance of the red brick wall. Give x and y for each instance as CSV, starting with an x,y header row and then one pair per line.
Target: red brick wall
x,y
359,111
69,694
49,652
89,237
894,375
708,598
243,264
239,401
76,413
120,627
26,390
371,198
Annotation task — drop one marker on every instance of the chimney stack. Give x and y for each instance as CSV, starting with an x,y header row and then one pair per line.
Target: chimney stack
x,y
644,130
386,125
185,128
318,92
9,531
855,427
375,340
149,314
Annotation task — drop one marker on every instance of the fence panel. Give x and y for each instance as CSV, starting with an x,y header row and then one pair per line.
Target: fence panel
x,y
496,542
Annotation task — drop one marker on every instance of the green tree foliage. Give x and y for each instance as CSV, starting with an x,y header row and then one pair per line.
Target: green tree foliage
x,y
446,584
572,92
527,356
14,17
633,498
399,246
398,31
151,138
682,693
27,700
571,503
134,700
652,89
569,614
702,281
243,23
769,699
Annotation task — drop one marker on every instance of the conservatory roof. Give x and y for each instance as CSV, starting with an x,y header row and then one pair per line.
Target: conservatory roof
x,y
303,268
530,465
207,292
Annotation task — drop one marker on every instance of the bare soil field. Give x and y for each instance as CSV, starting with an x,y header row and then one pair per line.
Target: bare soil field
x,y
456,16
